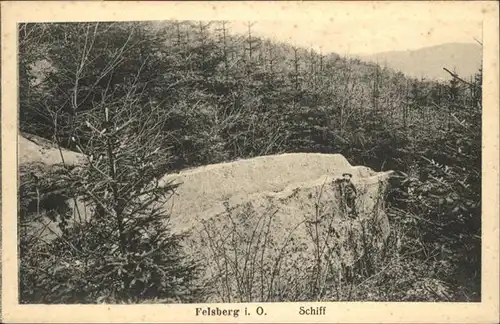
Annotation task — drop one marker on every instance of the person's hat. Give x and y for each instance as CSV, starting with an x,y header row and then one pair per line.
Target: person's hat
x,y
346,174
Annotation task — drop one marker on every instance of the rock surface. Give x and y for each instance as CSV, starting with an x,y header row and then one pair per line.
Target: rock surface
x,y
34,149
276,216
204,190
38,156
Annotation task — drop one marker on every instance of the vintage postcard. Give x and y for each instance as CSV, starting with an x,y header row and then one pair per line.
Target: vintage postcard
x,y
253,162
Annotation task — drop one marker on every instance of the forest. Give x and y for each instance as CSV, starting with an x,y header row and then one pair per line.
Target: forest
x,y
144,99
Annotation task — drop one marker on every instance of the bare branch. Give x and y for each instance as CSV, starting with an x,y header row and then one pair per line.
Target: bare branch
x,y
454,75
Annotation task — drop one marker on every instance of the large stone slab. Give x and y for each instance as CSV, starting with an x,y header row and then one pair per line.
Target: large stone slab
x,y
34,149
272,216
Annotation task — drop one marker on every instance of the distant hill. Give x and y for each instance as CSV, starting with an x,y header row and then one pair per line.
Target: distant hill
x,y
428,62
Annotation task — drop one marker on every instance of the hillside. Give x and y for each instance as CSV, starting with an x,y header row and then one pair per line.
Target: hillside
x,y
249,130
428,62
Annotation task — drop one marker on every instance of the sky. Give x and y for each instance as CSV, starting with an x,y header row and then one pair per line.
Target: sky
x,y
363,37
343,27
372,30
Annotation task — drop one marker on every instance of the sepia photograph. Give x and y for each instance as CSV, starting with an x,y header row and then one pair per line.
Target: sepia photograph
x,y
213,161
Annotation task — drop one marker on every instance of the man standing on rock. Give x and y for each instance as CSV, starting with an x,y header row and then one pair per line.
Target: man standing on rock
x,y
348,193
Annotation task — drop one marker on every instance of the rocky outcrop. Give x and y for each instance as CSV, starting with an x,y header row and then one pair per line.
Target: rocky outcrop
x,y
204,191
279,216
39,161
34,149
270,228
